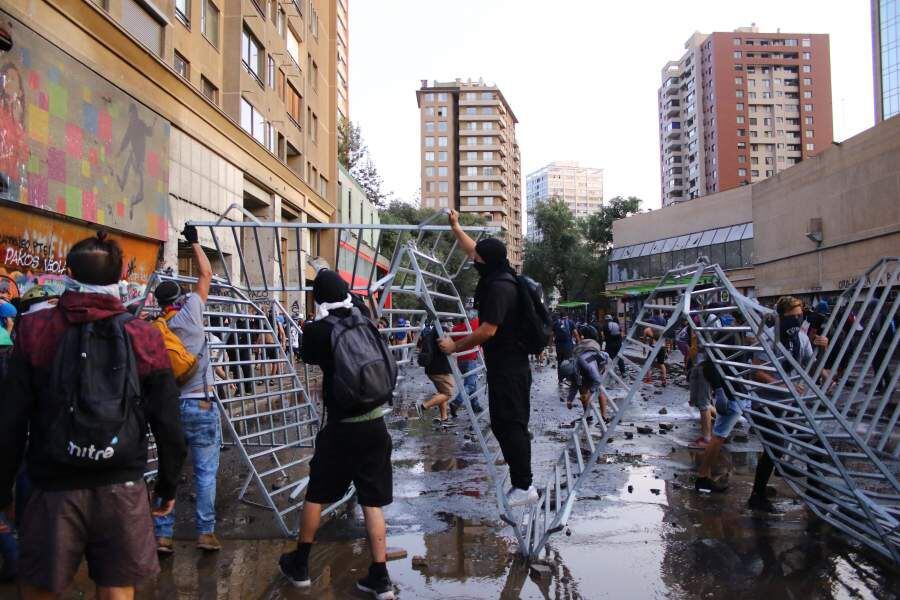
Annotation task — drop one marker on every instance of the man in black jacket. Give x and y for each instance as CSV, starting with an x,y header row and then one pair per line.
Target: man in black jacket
x,y
348,449
506,361
98,512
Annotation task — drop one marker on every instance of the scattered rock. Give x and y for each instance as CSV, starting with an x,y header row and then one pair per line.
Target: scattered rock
x,y
645,429
630,489
658,393
629,435
396,553
654,491
419,562
610,440
663,411
666,426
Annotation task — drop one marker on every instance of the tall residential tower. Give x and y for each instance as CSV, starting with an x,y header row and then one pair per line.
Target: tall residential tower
x,y
886,57
581,188
741,106
470,157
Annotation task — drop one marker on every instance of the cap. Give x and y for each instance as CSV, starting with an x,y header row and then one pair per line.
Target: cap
x,y
167,292
36,294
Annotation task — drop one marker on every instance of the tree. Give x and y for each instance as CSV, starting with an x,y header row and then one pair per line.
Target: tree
x,y
572,253
354,155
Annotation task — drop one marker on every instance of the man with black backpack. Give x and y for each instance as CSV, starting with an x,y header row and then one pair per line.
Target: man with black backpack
x,y
437,368
199,411
85,380
505,333
563,332
358,378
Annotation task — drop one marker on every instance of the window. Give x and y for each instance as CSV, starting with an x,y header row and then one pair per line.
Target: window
x,y
807,81
487,140
183,11
252,121
442,141
182,66
442,112
294,104
429,171
487,95
442,201
805,42
738,93
809,133
209,90
443,186
736,41
807,94
487,156
442,156
209,22
428,112
430,186
740,119
807,56
808,107
736,54
280,19
293,46
429,97
429,157
471,156
251,54
471,186
313,73
488,171
270,72
442,125
471,110
471,171
754,173
429,142
429,127
442,96
314,128
271,139
487,125
739,106
442,171
488,200
143,24
807,68
808,120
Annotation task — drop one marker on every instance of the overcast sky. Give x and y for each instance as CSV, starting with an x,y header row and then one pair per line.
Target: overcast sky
x,y
580,75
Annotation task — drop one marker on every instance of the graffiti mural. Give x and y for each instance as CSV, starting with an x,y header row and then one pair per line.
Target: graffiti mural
x,y
33,250
74,144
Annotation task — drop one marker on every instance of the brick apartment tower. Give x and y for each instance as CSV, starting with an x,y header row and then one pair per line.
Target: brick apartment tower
x,y
470,157
741,106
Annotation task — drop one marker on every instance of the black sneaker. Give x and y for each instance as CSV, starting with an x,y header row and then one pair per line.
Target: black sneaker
x,y
454,409
298,575
762,504
706,485
380,588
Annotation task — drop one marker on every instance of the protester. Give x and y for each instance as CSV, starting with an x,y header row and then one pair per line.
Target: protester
x,y
467,362
612,337
198,408
563,329
7,323
659,362
584,371
508,371
351,447
437,368
699,386
86,455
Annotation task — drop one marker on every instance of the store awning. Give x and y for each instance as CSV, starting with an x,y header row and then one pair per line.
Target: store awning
x,y
646,288
572,304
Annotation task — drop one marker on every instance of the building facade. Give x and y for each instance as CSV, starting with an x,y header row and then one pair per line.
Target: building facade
x,y
581,188
138,116
343,59
809,231
470,156
886,57
739,107
355,208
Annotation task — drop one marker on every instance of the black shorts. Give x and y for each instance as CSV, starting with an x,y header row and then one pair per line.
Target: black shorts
x,y
661,357
271,353
357,452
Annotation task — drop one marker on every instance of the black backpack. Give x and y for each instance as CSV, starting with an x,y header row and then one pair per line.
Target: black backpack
x,y
535,327
96,420
365,371
426,346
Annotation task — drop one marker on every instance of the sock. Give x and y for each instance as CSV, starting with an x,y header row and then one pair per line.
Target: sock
x,y
302,556
379,570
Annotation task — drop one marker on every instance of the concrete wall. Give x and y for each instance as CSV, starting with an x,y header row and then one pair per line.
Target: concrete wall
x,y
855,189
707,212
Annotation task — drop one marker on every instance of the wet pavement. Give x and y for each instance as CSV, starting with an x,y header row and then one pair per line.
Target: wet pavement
x,y
638,529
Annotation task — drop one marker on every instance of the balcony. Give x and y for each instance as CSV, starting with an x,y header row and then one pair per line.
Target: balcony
x,y
494,209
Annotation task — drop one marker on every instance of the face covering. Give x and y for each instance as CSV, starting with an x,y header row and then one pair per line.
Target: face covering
x,y
790,333
482,268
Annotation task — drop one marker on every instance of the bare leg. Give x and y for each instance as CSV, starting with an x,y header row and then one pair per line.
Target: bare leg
x,y
115,593
309,522
33,593
603,406
705,424
710,456
376,531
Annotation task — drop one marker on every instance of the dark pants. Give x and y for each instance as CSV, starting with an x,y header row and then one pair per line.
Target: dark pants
x,y
562,353
509,400
613,346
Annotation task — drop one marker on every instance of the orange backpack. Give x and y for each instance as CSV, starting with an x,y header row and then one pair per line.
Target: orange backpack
x,y
184,364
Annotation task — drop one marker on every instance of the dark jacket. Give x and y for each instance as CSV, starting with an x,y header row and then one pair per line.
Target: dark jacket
x,y
26,397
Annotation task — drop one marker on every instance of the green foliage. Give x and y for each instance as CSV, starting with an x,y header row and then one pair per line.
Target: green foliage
x,y
353,154
401,213
572,253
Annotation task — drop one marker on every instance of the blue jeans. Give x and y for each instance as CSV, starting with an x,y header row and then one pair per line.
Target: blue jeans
x,y
470,382
203,432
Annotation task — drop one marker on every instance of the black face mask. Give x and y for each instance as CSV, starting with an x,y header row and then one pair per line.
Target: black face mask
x,y
790,325
482,268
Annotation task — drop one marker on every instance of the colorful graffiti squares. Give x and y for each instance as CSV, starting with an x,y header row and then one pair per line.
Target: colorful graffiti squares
x,y
33,250
74,144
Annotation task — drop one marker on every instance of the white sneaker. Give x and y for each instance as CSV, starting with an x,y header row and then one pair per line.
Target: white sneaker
x,y
520,497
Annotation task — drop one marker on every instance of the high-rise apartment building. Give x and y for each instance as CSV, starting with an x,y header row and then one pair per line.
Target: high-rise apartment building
x,y
470,157
886,57
741,106
343,59
581,188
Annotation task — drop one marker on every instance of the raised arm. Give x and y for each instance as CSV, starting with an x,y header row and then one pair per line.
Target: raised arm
x,y
466,243
204,269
